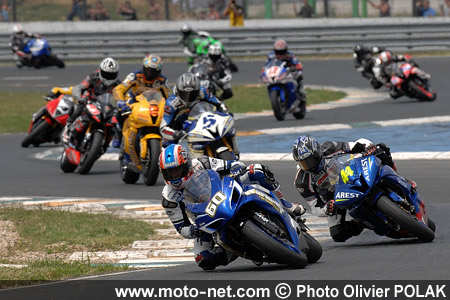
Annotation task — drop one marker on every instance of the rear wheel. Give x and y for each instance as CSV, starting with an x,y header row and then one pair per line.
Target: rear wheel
x,y
87,160
279,108
57,62
39,131
127,175
65,164
421,93
301,114
272,246
151,169
405,220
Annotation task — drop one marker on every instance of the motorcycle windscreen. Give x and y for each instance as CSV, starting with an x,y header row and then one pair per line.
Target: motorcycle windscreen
x,y
107,104
208,200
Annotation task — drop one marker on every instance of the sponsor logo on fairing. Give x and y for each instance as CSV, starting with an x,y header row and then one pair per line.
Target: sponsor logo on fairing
x,y
365,166
346,195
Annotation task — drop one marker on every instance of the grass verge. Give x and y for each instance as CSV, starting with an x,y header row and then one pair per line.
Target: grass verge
x,y
17,107
42,240
55,231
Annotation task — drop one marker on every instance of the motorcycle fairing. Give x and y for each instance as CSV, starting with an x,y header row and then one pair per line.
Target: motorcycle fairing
x,y
210,127
227,198
37,47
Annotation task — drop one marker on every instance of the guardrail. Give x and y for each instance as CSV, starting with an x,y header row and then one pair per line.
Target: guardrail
x,y
95,40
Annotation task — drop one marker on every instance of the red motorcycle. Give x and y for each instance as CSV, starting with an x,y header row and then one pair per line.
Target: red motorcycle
x,y
48,122
413,82
101,113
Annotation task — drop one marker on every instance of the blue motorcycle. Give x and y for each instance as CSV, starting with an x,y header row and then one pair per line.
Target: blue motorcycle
x,y
248,221
377,196
210,132
38,54
282,89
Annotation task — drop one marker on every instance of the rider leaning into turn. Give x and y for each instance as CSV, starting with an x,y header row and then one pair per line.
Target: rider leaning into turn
x,y
280,51
364,60
311,183
220,70
386,66
99,82
176,168
186,93
136,83
17,43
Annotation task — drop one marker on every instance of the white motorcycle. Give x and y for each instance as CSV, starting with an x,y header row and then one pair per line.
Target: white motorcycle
x,y
211,132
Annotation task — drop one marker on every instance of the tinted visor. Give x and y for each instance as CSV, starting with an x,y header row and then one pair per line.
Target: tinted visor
x,y
150,73
108,75
214,58
190,96
281,52
309,164
176,173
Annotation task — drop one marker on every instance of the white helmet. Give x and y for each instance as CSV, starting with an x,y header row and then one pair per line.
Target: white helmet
x,y
18,30
109,71
215,52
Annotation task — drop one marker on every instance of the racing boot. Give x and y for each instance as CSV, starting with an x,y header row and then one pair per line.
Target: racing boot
x,y
117,141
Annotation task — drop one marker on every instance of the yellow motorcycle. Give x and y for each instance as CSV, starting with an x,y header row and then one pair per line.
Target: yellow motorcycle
x,y
141,145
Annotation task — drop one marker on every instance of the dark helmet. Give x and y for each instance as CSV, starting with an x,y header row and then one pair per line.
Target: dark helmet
x,y
151,67
358,49
187,88
306,152
280,47
175,165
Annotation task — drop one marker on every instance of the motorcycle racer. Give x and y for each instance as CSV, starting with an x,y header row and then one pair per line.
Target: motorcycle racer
x,y
17,43
280,51
186,93
386,66
364,60
148,77
311,182
176,168
99,82
220,70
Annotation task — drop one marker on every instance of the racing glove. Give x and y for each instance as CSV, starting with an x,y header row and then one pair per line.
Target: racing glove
x,y
179,134
82,100
50,96
370,150
236,168
331,208
123,107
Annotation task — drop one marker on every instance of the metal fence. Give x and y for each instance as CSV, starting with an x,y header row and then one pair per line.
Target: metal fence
x,y
85,41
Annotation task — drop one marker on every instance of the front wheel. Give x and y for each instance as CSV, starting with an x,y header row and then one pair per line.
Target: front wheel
x,y
151,168
315,249
279,108
40,130
421,92
405,220
93,153
273,246
65,164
